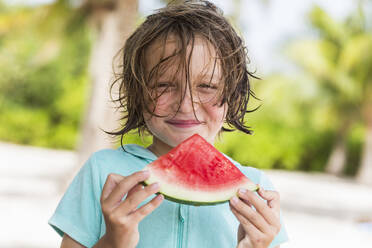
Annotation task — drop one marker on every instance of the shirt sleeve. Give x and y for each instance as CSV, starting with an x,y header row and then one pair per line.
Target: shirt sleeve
x,y
78,214
282,236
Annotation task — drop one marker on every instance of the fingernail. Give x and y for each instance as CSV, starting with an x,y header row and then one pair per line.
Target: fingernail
x,y
260,188
242,191
234,200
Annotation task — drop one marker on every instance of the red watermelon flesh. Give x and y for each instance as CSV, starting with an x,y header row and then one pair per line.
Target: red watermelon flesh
x,y
196,173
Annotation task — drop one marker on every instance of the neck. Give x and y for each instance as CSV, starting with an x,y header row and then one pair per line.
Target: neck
x,y
159,148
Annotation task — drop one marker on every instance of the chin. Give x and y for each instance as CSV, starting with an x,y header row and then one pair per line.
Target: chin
x,y
179,139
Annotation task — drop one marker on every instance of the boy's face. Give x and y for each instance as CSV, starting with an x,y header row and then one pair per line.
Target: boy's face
x,y
179,120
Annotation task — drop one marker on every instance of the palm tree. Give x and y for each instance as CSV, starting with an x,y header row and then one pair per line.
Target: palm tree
x,y
113,22
339,62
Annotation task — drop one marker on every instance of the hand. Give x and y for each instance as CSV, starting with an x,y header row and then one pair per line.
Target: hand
x,y
122,216
258,228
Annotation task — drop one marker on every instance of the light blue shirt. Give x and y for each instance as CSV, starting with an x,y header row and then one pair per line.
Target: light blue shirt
x,y
171,225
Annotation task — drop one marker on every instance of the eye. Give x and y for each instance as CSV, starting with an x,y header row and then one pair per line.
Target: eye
x,y
207,86
165,85
162,85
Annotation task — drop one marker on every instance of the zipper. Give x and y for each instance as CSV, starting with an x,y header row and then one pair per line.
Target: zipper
x,y
181,223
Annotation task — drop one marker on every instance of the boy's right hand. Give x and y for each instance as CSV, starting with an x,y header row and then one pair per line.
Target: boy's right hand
x,y
122,216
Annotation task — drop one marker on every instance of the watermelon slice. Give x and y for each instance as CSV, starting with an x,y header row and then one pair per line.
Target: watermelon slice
x,y
196,173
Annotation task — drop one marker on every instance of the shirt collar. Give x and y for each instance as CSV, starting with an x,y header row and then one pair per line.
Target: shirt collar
x,y
139,151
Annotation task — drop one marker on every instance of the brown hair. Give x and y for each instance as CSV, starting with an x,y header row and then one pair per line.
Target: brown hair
x,y
184,21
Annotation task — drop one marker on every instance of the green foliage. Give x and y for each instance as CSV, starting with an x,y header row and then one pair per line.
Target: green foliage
x,y
355,146
44,53
339,61
18,124
285,135
44,86
134,138
355,59
327,26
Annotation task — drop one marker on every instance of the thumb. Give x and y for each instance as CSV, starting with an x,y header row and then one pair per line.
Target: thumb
x,y
111,181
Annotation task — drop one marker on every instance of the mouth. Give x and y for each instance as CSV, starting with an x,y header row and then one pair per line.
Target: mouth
x,y
183,123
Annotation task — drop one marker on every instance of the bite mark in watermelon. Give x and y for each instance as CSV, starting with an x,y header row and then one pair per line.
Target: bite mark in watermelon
x,y
196,173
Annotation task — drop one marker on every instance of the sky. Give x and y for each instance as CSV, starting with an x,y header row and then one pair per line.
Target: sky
x,y
266,27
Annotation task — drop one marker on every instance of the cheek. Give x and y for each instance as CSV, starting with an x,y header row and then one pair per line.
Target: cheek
x,y
160,110
152,121
216,114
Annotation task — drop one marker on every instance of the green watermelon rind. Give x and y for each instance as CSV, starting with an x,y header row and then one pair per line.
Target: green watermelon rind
x,y
195,203
181,194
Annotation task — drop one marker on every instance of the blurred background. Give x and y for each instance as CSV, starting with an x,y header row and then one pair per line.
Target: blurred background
x,y
312,132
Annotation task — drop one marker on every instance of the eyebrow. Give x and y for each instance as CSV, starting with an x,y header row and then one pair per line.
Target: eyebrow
x,y
210,80
213,78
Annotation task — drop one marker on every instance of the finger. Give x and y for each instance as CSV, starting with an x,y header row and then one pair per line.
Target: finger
x,y
246,202
111,182
260,205
146,209
132,201
272,197
250,229
135,189
250,215
123,187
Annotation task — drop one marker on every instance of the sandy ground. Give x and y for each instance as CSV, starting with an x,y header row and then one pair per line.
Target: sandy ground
x,y
319,210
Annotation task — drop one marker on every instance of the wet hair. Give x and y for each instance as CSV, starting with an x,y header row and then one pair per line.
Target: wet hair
x,y
184,21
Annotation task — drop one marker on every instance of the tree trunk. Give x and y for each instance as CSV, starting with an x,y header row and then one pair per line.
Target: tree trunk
x,y
113,26
365,170
337,159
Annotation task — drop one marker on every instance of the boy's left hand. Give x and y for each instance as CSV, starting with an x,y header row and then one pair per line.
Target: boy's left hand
x,y
258,227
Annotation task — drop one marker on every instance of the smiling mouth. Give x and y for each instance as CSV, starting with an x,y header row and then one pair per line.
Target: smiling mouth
x,y
183,123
